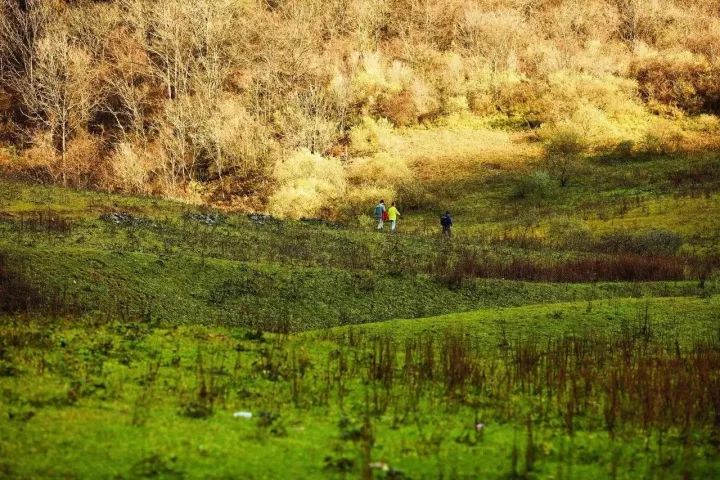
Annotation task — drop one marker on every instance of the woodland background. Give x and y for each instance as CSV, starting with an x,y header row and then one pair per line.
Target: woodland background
x,y
318,108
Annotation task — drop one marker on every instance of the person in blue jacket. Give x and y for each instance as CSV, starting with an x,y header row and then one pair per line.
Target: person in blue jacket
x,y
380,212
446,223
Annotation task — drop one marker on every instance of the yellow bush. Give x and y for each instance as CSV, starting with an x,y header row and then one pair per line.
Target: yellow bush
x,y
564,146
424,99
85,163
309,186
664,138
131,168
706,41
495,35
568,90
704,124
507,92
367,137
456,105
453,80
41,156
193,192
399,76
370,78
6,159
241,143
82,164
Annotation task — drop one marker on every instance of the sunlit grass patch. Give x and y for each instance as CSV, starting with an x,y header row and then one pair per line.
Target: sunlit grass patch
x,y
453,152
690,216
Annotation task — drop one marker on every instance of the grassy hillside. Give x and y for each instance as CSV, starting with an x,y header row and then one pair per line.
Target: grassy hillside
x,y
173,264
133,330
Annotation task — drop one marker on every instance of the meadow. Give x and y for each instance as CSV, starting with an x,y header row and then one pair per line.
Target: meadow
x,y
619,390
143,338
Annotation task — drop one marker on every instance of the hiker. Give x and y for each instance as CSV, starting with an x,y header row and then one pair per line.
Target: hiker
x,y
380,214
393,215
446,223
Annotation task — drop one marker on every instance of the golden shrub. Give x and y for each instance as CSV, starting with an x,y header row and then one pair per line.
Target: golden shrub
x,y
41,158
456,104
664,138
455,74
370,79
565,145
6,159
496,35
367,137
309,185
704,123
85,161
131,167
192,192
569,90
240,142
425,99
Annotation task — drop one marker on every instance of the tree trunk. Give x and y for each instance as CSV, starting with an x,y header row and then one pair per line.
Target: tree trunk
x,y
63,154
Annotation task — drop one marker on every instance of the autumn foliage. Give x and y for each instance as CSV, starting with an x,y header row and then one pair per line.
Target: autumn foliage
x,y
212,100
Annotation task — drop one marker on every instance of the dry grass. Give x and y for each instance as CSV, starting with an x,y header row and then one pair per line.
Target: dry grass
x,y
454,152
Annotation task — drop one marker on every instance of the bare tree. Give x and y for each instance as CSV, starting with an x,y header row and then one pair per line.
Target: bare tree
x,y
631,14
21,26
128,86
58,94
190,50
563,151
496,36
308,121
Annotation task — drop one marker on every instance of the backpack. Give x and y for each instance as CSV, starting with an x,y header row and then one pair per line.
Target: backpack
x,y
385,216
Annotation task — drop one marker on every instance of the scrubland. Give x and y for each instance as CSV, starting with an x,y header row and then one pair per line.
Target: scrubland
x,y
317,109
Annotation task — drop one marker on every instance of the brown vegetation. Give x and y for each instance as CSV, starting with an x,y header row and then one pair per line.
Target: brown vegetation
x,y
16,294
204,100
620,267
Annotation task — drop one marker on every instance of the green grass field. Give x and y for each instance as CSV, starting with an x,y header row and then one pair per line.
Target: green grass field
x,y
130,344
128,400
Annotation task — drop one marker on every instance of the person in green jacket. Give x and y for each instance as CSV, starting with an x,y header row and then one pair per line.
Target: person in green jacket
x,y
393,215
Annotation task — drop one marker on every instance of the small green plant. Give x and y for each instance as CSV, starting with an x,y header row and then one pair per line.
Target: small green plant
x,y
535,186
155,466
564,147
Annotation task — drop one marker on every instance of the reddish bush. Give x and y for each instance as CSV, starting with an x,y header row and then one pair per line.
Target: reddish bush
x,y
686,82
623,267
